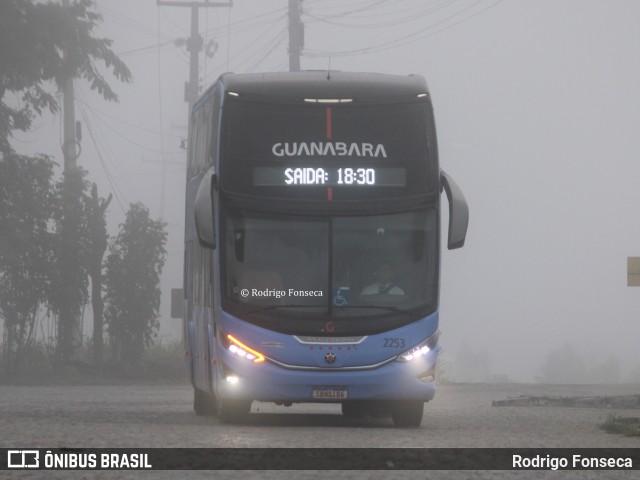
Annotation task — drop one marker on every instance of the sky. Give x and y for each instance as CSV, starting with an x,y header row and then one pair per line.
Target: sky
x,y
538,119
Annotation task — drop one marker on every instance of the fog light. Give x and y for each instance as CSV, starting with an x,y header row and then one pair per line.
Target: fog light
x,y
232,379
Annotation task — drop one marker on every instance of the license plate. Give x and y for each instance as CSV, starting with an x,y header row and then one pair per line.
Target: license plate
x,y
329,393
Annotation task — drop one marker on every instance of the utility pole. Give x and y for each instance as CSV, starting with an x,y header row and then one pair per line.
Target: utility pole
x,y
296,35
70,146
194,44
69,320
70,272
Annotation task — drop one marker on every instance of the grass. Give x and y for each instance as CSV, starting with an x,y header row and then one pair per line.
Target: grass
x,y
160,363
628,426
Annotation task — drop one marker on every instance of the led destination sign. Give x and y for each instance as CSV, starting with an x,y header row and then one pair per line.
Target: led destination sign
x,y
337,153
329,176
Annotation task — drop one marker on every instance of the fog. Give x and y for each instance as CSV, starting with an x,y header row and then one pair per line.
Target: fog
x,y
538,118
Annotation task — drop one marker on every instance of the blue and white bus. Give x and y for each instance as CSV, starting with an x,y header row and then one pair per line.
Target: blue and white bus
x,y
312,243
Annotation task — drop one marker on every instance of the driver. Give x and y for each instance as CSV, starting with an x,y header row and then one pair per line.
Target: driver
x,y
384,284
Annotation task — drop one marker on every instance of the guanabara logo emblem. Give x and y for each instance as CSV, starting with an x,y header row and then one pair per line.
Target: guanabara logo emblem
x,y
330,357
325,149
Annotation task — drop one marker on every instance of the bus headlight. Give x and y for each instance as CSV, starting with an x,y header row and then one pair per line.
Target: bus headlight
x,y
421,349
236,347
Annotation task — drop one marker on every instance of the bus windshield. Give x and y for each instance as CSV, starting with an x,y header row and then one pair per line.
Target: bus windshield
x,y
355,274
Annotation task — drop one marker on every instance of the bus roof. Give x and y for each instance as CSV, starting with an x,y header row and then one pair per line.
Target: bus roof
x,y
324,85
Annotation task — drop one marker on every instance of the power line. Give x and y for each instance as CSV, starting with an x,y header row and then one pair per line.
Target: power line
x,y
407,39
114,186
124,20
279,40
161,151
411,14
242,26
98,112
156,47
248,56
368,5
124,137
104,150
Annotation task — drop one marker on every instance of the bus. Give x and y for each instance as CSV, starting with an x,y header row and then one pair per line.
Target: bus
x,y
312,244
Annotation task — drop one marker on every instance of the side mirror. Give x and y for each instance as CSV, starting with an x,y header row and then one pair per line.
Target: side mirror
x,y
458,212
203,209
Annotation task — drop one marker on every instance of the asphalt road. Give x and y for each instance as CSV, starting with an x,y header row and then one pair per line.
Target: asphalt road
x,y
161,416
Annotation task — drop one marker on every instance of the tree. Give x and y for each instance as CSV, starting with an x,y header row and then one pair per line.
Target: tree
x,y
42,42
634,376
26,199
68,292
607,370
472,365
98,238
563,365
132,280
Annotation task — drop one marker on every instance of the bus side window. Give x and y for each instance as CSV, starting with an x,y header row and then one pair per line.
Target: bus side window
x,y
214,124
206,134
192,168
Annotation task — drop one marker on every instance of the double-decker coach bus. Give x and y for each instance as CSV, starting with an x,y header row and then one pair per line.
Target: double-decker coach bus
x,y
312,243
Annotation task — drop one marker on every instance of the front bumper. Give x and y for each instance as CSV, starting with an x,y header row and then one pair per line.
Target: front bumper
x,y
269,382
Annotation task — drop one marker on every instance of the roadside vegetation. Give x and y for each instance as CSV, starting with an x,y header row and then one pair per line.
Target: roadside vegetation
x,y
53,235
160,363
628,426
